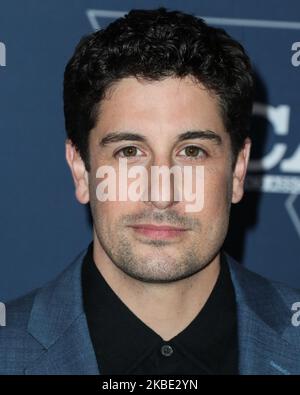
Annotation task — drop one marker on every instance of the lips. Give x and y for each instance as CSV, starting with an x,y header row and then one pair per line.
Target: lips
x,y
158,232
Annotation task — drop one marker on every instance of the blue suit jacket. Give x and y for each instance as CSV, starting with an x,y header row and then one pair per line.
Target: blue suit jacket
x,y
46,331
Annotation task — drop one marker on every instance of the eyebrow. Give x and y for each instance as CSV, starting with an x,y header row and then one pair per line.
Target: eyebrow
x,y
114,137
200,134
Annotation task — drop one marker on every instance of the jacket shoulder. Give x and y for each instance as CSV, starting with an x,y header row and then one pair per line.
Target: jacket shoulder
x,y
273,302
249,278
17,347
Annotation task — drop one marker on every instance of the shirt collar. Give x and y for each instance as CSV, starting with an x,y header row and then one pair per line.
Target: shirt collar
x,y
121,339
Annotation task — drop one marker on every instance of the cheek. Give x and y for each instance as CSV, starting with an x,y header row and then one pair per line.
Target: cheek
x,y
109,215
217,192
107,212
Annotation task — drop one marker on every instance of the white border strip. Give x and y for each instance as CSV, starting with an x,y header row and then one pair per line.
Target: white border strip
x,y
93,14
253,23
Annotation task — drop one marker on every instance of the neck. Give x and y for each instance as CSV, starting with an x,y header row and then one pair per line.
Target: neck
x,y
167,308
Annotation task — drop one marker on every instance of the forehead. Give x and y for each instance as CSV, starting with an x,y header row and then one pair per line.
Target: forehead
x,y
171,103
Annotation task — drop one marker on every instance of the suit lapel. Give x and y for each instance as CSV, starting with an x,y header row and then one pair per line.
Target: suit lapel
x,y
59,324
263,319
71,354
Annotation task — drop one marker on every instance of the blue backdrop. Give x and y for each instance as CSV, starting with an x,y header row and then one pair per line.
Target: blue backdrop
x,y
42,225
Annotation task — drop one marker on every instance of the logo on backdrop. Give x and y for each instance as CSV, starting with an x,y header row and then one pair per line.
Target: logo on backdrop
x,y
277,157
277,171
286,179
2,54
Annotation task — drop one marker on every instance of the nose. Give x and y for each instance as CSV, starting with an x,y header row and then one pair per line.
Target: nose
x,y
161,184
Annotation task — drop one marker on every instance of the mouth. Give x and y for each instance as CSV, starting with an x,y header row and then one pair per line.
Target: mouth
x,y
158,232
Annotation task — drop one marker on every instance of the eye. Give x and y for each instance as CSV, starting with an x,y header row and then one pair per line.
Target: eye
x,y
127,152
193,152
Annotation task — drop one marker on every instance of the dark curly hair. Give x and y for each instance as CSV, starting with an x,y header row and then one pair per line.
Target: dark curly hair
x,y
152,45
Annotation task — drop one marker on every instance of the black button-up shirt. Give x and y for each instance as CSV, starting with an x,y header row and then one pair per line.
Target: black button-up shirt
x,y
123,344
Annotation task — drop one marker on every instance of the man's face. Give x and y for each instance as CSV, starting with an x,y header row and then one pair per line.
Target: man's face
x,y
160,111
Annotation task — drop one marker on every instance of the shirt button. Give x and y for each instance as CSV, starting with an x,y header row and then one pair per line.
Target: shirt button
x,y
166,350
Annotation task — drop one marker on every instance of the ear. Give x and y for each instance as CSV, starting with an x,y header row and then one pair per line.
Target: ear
x,y
240,171
79,173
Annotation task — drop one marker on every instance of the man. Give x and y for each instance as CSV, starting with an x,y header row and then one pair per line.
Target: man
x,y
154,293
